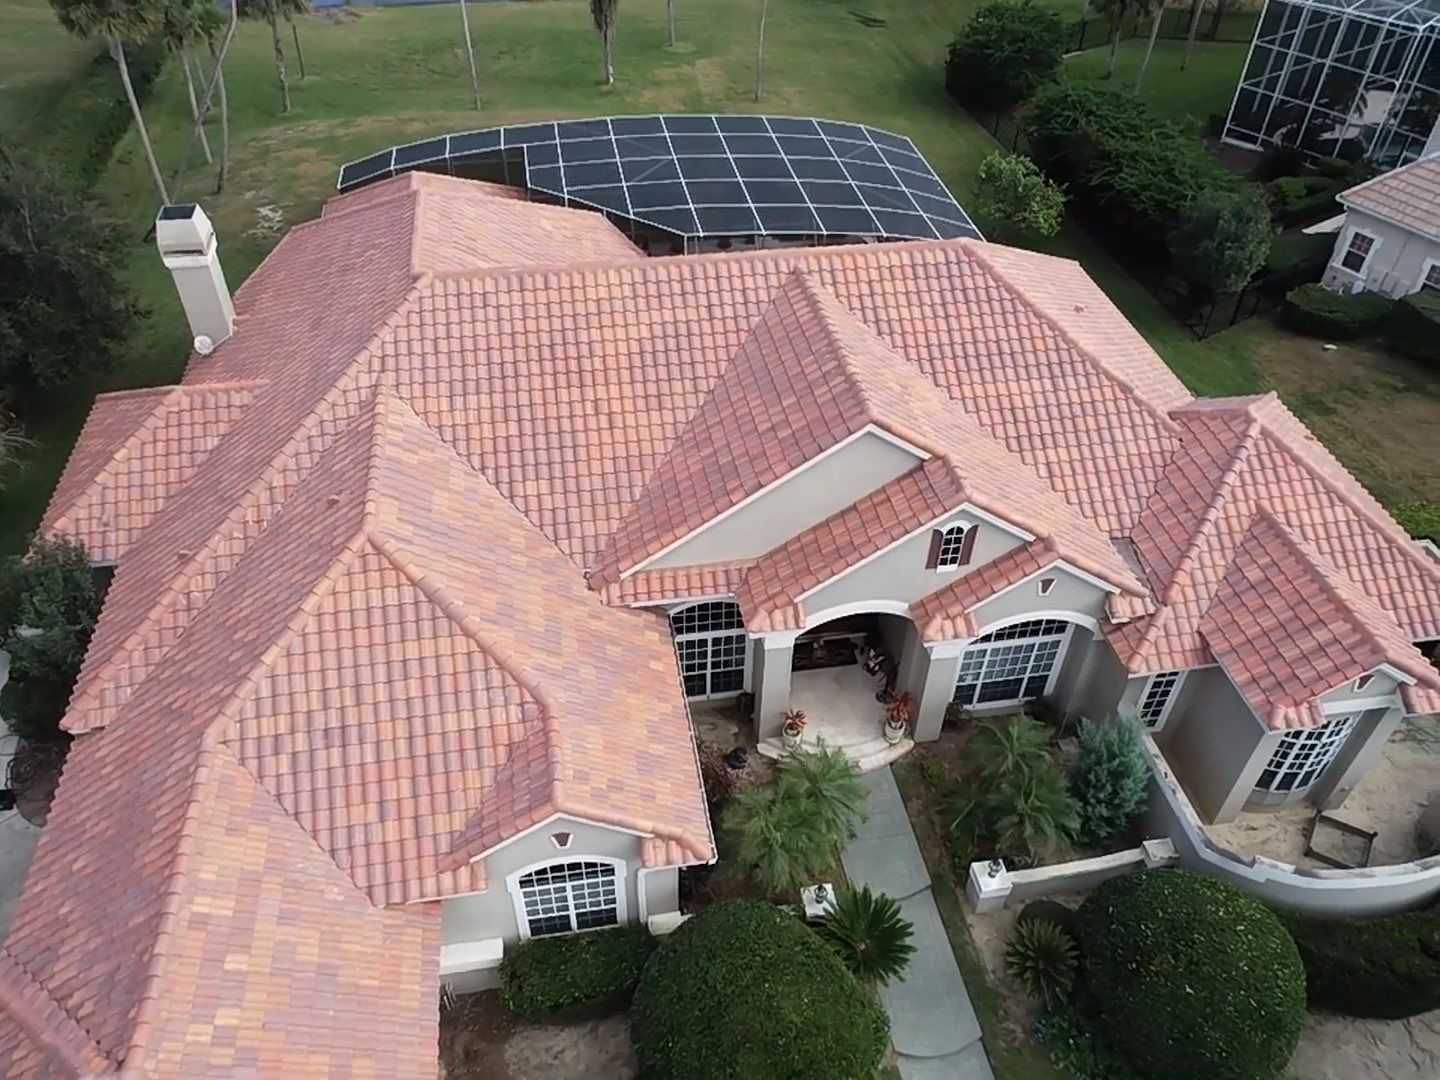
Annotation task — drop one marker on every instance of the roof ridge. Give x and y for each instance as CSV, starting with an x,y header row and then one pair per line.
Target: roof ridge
x,y
822,300
68,1040
973,249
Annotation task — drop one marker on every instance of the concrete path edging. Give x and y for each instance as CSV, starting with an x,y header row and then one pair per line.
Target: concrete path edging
x,y
932,1021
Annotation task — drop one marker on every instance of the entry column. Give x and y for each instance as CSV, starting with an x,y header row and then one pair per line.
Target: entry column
x,y
774,655
934,687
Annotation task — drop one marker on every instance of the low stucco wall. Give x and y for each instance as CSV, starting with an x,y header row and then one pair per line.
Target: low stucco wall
x,y
1373,890
1079,875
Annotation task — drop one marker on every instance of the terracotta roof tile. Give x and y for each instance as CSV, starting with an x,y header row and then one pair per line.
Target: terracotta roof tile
x,y
680,583
945,615
1408,196
1319,631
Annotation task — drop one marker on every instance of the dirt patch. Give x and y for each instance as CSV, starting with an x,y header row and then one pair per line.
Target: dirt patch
x,y
1378,413
1341,1048
1388,800
481,1040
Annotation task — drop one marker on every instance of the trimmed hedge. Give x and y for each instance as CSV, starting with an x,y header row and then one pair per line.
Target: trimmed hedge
x,y
1387,968
1413,326
1297,259
1299,200
1318,312
744,990
1188,978
548,975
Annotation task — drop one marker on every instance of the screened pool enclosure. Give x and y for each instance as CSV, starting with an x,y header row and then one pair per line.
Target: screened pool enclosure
x,y
1342,78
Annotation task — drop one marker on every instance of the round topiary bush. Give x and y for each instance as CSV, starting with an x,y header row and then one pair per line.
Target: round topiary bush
x,y
745,990
1187,977
1386,967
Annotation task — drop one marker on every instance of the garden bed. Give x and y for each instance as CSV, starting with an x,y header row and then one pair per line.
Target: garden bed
x,y
1387,801
481,1040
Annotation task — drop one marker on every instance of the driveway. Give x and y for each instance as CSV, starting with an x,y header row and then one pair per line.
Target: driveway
x,y
932,1023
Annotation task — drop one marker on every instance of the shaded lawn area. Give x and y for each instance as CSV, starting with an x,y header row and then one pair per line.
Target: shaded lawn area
x,y
1188,97
379,77
50,83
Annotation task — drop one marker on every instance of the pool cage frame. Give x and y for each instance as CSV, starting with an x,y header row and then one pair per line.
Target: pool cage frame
x,y
1349,39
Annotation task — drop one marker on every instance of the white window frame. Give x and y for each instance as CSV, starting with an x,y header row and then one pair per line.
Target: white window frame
x,y
1177,680
1425,268
1304,754
1063,636
952,547
709,640
517,897
1349,243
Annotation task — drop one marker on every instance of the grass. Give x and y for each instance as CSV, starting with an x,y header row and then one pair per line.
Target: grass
x,y
382,76
1188,97
1010,1058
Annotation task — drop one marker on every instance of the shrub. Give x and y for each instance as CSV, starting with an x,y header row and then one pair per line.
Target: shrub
x,y
1221,240
868,934
1041,956
549,975
720,781
1297,259
1189,978
1110,778
1413,326
1279,161
1003,54
1075,1050
1015,200
828,782
1419,519
745,990
1049,911
1318,312
1386,968
1299,200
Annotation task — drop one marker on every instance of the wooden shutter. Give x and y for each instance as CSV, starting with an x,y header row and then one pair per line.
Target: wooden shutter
x,y
933,559
968,547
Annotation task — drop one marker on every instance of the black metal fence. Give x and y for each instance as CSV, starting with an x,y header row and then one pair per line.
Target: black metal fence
x,y
1096,30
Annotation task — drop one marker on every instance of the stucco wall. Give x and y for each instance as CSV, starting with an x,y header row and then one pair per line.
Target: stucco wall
x,y
795,504
900,574
1396,265
1381,686
492,913
1101,691
1070,594
1210,740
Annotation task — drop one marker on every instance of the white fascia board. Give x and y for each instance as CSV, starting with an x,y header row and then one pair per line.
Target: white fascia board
x,y
550,821
868,429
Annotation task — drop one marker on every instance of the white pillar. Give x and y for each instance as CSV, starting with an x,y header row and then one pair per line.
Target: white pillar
x,y
773,660
1365,744
935,687
186,240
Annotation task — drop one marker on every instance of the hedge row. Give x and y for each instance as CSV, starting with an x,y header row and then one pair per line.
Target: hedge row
x,y
1387,968
545,976
145,61
1413,326
1318,312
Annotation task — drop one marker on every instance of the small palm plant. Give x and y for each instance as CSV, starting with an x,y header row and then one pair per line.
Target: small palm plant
x,y
868,934
777,840
1041,956
829,783
1009,749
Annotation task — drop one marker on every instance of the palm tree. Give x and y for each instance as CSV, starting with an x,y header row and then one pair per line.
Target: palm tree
x,y
183,23
869,935
1117,10
670,20
760,50
470,54
270,11
118,21
777,840
291,8
829,784
604,12
1159,6
218,80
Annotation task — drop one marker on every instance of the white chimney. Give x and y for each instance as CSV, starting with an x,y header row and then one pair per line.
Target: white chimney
x,y
187,245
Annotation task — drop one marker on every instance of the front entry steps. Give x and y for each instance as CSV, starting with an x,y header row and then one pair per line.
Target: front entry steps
x,y
871,754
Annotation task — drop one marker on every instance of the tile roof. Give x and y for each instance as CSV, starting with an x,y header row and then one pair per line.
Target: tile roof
x,y
1240,456
1288,627
678,583
944,615
1408,196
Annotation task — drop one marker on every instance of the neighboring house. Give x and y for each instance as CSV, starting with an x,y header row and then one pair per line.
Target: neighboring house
x,y
1389,236
385,681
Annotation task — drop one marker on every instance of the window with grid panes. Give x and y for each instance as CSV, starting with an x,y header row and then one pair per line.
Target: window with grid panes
x,y
711,645
1358,251
564,897
1302,755
1157,696
952,548
1432,276
1012,664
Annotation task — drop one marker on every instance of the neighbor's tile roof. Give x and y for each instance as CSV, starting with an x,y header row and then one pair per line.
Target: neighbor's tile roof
x,y
1408,196
1289,628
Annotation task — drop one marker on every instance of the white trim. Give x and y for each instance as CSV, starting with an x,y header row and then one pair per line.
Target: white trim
x,y
1000,523
1356,705
903,444
522,921
1181,674
868,429
1429,263
709,637
675,603
480,954
1407,227
1086,621
860,607
1346,239
559,814
943,567
1067,638
1396,674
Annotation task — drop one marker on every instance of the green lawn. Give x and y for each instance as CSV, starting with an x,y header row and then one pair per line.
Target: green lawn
x,y
1188,96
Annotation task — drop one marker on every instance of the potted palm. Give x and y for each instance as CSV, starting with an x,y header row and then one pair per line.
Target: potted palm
x,y
897,716
793,728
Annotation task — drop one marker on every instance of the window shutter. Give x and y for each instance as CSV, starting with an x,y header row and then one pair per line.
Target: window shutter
x,y
933,559
967,548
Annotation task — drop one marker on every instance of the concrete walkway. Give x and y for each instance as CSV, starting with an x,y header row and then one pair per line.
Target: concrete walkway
x,y
932,1022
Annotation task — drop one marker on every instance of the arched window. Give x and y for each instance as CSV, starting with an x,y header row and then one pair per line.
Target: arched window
x,y
950,548
710,642
563,897
1301,756
1012,664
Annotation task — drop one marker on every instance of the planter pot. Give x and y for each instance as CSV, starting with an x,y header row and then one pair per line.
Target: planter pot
x,y
790,737
893,733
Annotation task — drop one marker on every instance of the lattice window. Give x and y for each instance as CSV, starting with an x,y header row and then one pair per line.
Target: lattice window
x,y
952,548
1011,664
1158,693
1303,755
1358,252
564,897
712,646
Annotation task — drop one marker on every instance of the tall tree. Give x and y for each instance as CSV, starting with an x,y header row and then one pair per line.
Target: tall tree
x,y
65,311
291,10
183,24
1118,10
1196,11
271,11
605,12
118,22
670,20
470,54
760,50
1150,45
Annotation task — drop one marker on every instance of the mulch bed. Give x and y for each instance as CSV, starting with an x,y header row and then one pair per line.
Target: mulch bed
x,y
473,1034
